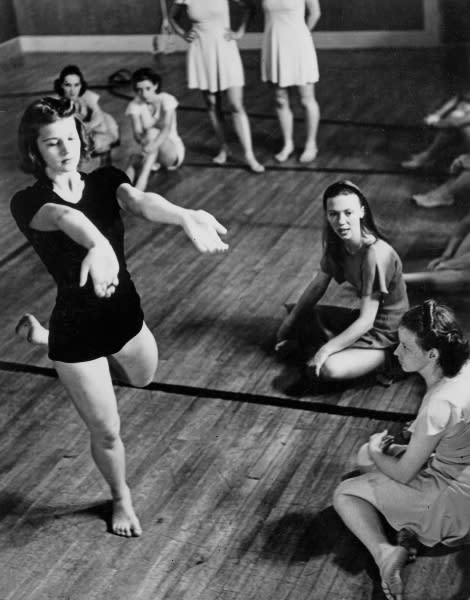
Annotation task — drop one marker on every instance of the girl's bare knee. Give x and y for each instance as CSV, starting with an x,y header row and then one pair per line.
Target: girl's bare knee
x,y
331,370
107,435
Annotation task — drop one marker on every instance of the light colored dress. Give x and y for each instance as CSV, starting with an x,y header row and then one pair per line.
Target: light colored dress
x,y
213,62
288,55
104,131
151,116
436,503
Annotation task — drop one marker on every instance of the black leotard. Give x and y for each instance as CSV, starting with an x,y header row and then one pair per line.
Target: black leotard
x,y
83,327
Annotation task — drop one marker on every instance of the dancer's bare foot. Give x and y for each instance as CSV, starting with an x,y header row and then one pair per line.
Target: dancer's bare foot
x,y
284,154
124,520
393,561
254,165
309,154
221,157
31,330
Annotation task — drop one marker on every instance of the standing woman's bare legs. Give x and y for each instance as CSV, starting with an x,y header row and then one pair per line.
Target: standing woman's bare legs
x,y
286,122
312,120
242,127
213,102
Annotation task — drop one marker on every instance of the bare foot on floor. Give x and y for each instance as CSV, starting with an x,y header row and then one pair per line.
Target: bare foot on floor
x,y
124,520
221,157
284,154
254,165
390,571
309,154
31,330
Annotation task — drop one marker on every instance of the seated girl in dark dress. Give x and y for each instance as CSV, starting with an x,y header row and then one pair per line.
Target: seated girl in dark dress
x,y
344,343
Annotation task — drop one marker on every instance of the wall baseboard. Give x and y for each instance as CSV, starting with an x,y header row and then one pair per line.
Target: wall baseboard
x,y
10,50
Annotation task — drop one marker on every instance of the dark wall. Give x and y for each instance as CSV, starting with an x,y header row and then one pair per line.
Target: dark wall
x,y
113,17
87,17
8,28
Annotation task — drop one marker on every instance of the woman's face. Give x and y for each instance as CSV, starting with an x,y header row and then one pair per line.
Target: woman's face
x,y
344,213
146,90
72,86
59,145
411,356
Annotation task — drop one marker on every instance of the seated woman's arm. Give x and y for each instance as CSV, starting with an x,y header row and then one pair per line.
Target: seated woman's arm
x,y
364,323
200,226
96,118
359,327
308,300
404,468
164,129
100,263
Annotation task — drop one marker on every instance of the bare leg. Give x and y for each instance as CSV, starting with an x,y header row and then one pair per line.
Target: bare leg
x,y
443,280
30,329
286,121
352,363
214,108
443,139
242,127
90,387
445,194
145,170
312,119
363,519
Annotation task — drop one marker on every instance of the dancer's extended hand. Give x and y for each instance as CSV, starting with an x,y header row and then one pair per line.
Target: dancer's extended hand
x,y
233,35
102,265
190,36
204,231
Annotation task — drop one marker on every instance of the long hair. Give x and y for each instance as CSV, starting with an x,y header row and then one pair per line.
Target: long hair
x,y
44,112
332,244
69,70
435,326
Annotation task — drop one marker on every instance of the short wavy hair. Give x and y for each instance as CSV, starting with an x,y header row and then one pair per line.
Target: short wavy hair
x,y
44,112
146,74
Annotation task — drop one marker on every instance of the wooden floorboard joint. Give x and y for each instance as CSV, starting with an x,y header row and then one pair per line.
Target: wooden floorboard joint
x,y
260,399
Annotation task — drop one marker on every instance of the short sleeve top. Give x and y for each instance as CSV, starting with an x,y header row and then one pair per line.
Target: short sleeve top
x,y
60,254
151,114
445,410
375,269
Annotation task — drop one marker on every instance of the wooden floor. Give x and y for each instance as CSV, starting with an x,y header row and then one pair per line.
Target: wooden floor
x,y
232,477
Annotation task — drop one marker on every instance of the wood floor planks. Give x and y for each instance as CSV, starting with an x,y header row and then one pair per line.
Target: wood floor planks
x,y
235,498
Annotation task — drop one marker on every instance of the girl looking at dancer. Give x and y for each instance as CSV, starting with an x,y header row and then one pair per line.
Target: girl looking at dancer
x,y
153,119
422,488
288,59
344,343
214,66
73,221
100,126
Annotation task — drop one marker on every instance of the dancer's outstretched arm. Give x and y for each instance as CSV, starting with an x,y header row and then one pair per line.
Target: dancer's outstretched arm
x,y
200,226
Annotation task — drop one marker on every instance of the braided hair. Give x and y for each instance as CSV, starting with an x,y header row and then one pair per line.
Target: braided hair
x,y
435,326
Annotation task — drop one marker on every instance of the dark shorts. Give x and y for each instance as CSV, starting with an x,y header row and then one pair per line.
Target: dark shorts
x,y
85,327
